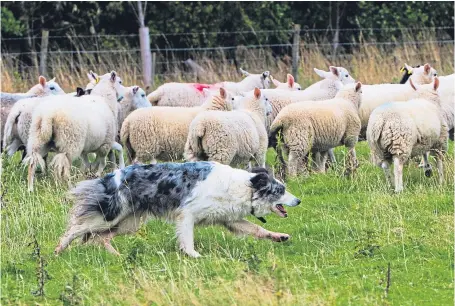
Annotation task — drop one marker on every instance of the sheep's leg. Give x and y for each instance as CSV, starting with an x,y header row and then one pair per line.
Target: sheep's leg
x,y
439,160
322,161
398,173
244,227
85,163
297,164
426,164
101,158
351,161
111,157
185,234
118,147
388,175
316,160
332,158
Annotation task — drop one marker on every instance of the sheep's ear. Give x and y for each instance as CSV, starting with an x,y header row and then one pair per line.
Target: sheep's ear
x,y
223,93
275,82
42,80
290,80
53,80
436,83
113,76
79,92
257,93
427,68
358,86
334,70
319,72
265,74
412,84
135,89
244,73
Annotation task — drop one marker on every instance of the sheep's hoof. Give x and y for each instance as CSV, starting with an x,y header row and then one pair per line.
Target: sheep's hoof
x,y
428,173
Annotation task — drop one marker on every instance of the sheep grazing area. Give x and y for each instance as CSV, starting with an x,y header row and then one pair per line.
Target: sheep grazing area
x,y
353,242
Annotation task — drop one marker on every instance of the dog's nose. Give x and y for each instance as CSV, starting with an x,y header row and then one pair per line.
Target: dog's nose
x,y
297,202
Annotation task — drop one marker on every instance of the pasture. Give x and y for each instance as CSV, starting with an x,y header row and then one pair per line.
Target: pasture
x,y
353,242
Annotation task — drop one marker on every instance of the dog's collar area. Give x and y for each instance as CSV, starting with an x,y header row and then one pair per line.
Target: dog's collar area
x,y
262,219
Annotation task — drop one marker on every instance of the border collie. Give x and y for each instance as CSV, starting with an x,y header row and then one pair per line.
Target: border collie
x,y
188,194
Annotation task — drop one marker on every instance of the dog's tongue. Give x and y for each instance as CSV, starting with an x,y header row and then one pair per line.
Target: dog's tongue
x,y
282,210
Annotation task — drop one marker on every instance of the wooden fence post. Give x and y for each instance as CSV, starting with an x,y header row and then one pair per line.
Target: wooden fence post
x,y
295,52
43,52
146,56
153,70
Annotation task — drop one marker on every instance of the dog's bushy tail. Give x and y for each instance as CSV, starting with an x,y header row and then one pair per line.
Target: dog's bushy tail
x,y
96,198
193,147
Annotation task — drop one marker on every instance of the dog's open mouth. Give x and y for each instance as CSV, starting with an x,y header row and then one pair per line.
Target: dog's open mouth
x,y
280,211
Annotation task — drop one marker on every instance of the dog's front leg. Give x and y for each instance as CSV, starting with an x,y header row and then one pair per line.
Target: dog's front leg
x,y
244,227
185,234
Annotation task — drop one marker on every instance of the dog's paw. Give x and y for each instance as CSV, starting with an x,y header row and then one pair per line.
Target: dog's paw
x,y
279,237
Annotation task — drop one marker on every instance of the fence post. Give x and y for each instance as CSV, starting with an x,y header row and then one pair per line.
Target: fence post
x,y
295,52
43,53
146,56
153,70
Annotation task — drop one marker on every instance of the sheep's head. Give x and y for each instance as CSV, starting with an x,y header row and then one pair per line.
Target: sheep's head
x,y
351,92
111,80
427,91
420,74
290,83
138,97
46,88
255,102
336,74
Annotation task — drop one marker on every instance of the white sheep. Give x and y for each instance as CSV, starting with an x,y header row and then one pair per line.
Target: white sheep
x,y
42,89
290,84
398,131
236,137
193,94
319,127
17,125
378,94
75,127
160,132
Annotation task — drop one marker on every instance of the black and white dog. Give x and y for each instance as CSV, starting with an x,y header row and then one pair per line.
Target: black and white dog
x,y
188,194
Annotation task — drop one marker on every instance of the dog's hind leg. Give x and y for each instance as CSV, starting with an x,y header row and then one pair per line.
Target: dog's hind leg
x,y
185,234
244,227
71,234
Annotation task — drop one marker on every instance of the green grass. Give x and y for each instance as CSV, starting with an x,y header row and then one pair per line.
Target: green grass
x,y
344,235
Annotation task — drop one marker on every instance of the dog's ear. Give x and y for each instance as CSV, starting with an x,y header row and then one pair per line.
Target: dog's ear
x,y
260,180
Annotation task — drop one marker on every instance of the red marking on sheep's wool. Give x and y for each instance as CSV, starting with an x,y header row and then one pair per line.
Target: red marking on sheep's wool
x,y
200,87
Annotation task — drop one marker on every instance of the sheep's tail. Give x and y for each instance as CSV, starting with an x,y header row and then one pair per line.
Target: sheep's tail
x,y
193,147
125,139
275,129
10,123
155,96
61,165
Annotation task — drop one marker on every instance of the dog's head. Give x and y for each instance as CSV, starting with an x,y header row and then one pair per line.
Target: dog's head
x,y
269,195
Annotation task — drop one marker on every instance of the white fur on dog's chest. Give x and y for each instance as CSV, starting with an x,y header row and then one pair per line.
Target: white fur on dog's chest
x,y
223,196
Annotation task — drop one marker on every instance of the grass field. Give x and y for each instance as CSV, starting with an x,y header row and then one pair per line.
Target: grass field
x,y
353,242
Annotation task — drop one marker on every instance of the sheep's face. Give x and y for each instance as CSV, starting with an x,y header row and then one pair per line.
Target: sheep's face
x,y
336,74
344,76
424,74
46,88
139,98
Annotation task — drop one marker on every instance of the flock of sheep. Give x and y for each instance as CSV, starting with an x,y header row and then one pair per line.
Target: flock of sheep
x,y
233,122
